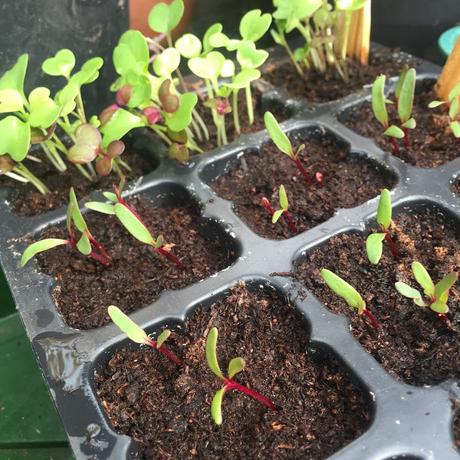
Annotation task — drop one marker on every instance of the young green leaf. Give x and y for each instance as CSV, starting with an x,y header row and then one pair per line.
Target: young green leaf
x,y
454,92
434,104
235,366
406,96
276,215
216,406
61,64
211,353
344,290
378,101
10,101
411,293
132,52
43,110
283,198
166,62
84,245
14,137
455,127
394,131
133,224
14,78
254,25
423,278
440,307
182,117
40,246
103,208
188,45
278,136
76,213
128,326
119,125
445,284
384,209
374,247
161,339
164,18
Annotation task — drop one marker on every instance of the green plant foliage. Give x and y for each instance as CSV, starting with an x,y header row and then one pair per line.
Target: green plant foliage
x,y
128,326
118,126
133,224
374,247
379,101
61,64
14,137
278,136
384,210
164,18
344,290
211,352
40,246
254,25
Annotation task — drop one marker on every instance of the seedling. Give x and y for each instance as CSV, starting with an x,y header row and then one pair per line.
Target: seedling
x,y
348,293
284,205
86,244
138,335
374,242
132,222
434,296
454,110
235,366
284,145
404,95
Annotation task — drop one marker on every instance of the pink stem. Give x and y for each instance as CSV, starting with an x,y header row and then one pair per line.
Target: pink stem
x,y
391,244
170,257
406,138
290,221
267,205
232,385
394,146
101,250
374,323
165,351
303,171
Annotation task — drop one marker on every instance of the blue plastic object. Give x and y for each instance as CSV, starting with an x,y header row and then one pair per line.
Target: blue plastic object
x,y
447,40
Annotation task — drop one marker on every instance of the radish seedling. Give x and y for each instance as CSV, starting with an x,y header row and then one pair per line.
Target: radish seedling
x,y
284,205
132,222
138,335
284,145
348,293
86,244
454,109
235,366
374,242
434,296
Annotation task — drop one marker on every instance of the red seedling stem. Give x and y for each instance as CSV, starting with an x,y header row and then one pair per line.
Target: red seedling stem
x,y
406,138
394,145
391,244
290,221
166,352
170,257
374,323
267,205
303,171
232,385
100,255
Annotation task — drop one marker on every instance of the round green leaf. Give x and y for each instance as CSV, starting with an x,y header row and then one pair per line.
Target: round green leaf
x,y
244,78
43,109
161,339
118,126
374,247
84,245
249,57
40,246
14,137
182,117
394,131
128,326
10,101
163,18
166,62
61,64
276,133
235,366
214,29
132,51
439,307
254,25
188,45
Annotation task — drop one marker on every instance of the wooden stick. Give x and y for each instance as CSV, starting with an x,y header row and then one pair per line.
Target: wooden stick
x,y
360,34
450,74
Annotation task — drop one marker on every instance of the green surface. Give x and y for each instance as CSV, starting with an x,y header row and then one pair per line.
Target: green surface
x,y
29,425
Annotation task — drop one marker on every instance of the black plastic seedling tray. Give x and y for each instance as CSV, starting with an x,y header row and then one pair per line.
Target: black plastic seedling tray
x,y
408,422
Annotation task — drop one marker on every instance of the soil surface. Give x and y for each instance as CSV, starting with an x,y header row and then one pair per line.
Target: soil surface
x,y
329,86
85,288
431,142
280,112
348,181
167,409
413,344
29,202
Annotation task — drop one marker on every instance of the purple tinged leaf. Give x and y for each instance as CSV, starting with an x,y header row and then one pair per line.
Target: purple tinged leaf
x,y
104,166
153,115
169,101
115,149
6,164
123,95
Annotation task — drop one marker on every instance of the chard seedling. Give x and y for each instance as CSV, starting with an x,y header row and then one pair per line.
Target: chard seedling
x,y
284,205
284,145
235,366
374,242
86,244
404,99
138,335
454,109
132,222
434,296
348,293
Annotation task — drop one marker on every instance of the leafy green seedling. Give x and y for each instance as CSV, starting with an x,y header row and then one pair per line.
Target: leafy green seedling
x,y
283,211
348,293
434,296
86,244
132,222
284,145
404,101
138,335
235,366
379,107
374,242
454,109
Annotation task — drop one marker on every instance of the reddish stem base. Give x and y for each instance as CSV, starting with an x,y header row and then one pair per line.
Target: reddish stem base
x,y
391,245
290,221
166,352
374,323
232,385
303,171
170,257
394,146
